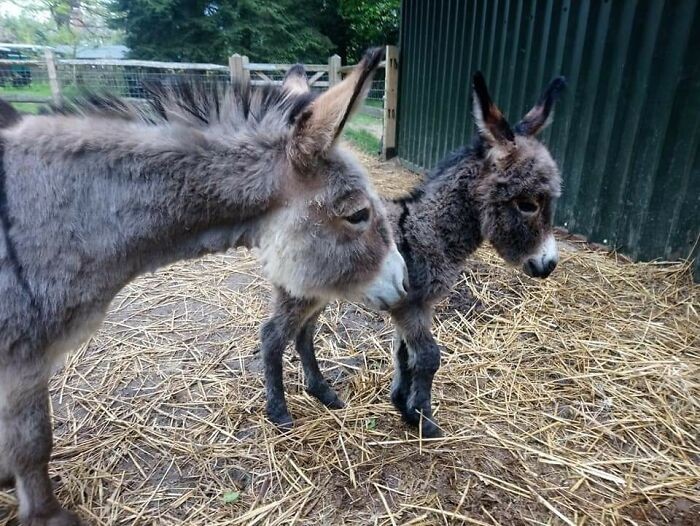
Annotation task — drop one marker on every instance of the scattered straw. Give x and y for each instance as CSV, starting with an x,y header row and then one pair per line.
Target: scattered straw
x,y
567,401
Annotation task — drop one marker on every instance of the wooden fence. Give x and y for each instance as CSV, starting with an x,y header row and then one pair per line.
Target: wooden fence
x,y
57,73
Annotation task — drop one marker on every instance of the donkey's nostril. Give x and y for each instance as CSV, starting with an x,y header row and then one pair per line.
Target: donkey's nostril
x,y
529,268
539,268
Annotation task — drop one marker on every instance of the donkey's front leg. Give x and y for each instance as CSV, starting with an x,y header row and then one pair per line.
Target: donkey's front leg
x,y
288,317
403,376
422,359
25,448
424,355
316,384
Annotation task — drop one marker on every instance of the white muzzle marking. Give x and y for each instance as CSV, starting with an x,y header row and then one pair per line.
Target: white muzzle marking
x,y
544,260
390,284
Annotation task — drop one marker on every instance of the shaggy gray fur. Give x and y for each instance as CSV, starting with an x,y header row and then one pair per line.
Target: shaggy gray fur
x,y
501,189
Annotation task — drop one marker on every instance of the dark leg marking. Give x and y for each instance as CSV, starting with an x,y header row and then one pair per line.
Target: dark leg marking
x,y
425,361
417,359
316,384
401,385
289,315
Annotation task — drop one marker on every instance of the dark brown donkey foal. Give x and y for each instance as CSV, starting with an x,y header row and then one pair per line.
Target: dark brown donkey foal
x,y
502,189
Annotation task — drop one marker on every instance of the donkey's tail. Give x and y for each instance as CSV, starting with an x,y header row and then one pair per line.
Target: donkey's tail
x,y
8,115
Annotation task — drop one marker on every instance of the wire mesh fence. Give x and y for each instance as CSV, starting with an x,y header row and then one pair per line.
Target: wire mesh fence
x,y
31,83
23,80
127,80
29,80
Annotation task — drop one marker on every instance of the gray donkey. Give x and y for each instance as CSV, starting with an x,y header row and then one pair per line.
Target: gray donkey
x,y
93,197
502,189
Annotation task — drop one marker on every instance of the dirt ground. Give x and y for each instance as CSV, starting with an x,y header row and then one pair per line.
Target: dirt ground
x,y
573,400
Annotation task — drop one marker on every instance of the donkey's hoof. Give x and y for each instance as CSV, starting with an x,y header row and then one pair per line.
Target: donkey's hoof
x,y
399,400
59,518
417,418
283,421
429,429
327,397
335,403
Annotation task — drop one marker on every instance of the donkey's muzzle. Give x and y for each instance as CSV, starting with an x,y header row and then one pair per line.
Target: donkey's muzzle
x,y
543,262
539,269
390,285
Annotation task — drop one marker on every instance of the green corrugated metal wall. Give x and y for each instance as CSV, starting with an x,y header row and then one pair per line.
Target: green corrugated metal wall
x,y
627,130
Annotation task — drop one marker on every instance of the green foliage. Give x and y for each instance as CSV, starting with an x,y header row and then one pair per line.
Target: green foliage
x,y
211,30
206,31
69,22
370,23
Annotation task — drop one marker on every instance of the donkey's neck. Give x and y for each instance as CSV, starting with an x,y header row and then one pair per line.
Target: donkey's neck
x,y
447,203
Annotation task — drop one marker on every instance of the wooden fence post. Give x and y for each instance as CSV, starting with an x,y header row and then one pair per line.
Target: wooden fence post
x,y
334,65
239,70
391,84
53,76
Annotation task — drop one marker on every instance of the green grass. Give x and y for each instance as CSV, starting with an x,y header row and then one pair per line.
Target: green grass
x,y
27,107
33,90
366,120
40,90
37,90
364,140
364,131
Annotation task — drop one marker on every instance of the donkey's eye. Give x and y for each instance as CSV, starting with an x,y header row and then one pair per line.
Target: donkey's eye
x,y
358,217
527,207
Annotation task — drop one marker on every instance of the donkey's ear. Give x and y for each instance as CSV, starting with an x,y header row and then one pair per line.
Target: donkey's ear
x,y
318,127
492,125
295,80
540,116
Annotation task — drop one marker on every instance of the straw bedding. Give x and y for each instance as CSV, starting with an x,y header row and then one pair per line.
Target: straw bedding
x,y
573,400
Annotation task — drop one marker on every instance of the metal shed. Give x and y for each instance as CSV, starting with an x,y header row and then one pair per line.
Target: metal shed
x,y
626,132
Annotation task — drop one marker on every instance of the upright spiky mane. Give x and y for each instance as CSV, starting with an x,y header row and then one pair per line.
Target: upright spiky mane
x,y
194,103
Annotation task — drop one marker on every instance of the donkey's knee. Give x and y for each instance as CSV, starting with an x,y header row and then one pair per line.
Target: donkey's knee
x,y
425,358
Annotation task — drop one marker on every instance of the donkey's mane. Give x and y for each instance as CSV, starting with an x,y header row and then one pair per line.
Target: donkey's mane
x,y
193,103
475,150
